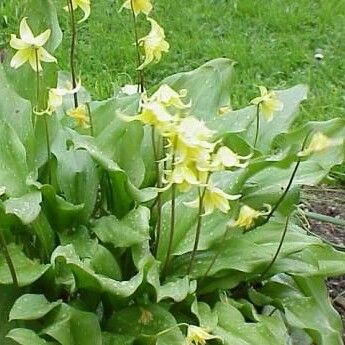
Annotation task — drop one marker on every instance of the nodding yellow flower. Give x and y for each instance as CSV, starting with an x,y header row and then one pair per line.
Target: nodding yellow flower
x,y
154,44
199,336
138,6
80,115
169,97
84,5
214,198
30,48
191,141
226,158
55,96
269,103
154,114
184,176
247,216
319,142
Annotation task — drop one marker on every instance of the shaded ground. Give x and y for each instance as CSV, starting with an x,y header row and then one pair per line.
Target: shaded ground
x,y
331,202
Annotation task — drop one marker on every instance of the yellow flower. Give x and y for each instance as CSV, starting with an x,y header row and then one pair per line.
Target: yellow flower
x,y
84,5
214,198
169,97
184,176
80,115
190,138
144,6
247,216
319,142
199,336
154,44
30,48
55,97
154,114
269,103
226,158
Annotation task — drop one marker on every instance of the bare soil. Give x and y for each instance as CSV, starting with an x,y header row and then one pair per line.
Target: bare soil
x,y
329,201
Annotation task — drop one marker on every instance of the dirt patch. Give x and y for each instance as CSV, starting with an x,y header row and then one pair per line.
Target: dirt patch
x,y
329,201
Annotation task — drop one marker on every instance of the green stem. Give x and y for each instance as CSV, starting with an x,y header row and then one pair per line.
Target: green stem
x,y
72,53
159,197
140,72
8,260
198,230
278,249
91,119
257,124
37,87
324,218
216,255
48,147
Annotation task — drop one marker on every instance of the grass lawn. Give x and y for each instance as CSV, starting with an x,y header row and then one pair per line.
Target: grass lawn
x,y
273,43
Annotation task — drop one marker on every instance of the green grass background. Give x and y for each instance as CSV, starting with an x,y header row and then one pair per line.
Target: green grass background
x,y
272,41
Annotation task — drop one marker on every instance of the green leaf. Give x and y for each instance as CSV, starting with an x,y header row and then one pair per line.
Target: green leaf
x,y
88,279
76,174
28,271
243,121
25,337
16,111
234,330
13,166
306,306
146,322
208,319
70,326
8,295
31,307
208,87
130,230
26,207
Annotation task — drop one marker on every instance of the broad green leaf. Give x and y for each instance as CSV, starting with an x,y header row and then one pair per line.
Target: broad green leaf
x,y
208,319
306,306
130,230
120,140
100,258
27,270
13,166
16,111
177,290
24,336
146,322
243,121
77,177
88,279
26,207
59,212
123,192
45,233
114,339
70,326
8,295
234,330
208,87
31,307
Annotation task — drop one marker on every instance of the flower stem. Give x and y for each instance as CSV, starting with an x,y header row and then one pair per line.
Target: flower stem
x,y
37,87
172,220
90,117
278,249
257,124
8,260
199,224
72,54
140,72
48,147
159,197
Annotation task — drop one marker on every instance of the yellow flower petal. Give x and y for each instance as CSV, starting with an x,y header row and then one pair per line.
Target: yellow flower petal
x,y
42,39
43,55
144,6
86,8
17,43
20,58
25,32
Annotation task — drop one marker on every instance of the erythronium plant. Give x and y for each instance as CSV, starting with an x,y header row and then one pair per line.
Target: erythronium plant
x,y
158,216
